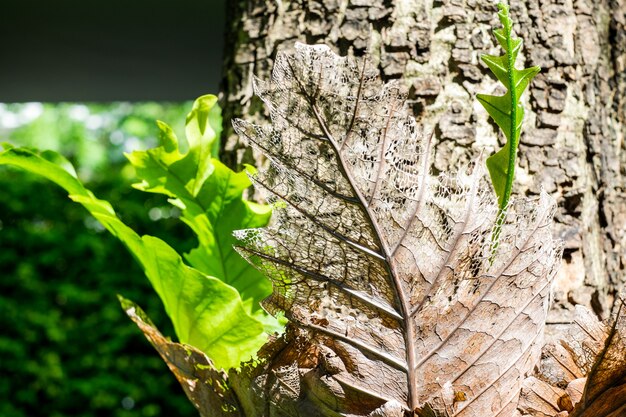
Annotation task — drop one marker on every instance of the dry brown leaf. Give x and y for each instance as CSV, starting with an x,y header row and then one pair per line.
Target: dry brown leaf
x,y
383,269
572,357
589,363
384,273
540,399
205,386
605,391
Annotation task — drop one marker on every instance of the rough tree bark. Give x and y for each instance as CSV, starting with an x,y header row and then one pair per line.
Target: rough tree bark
x,y
573,144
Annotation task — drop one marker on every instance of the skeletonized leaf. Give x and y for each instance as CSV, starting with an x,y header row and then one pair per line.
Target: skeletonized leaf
x,y
381,267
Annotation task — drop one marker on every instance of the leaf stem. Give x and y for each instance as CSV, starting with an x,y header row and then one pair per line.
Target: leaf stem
x,y
513,148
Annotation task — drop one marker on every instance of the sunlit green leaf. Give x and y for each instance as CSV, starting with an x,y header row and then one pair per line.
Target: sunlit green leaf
x,y
506,110
204,123
210,196
226,211
206,312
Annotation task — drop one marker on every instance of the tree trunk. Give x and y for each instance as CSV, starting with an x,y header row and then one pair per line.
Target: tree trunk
x,y
573,141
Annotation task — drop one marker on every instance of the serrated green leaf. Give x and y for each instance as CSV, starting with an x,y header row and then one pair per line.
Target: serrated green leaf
x,y
503,15
499,108
207,313
523,78
506,111
498,168
497,65
212,205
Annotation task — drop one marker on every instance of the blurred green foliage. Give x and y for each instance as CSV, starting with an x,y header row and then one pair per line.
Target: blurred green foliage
x,y
66,347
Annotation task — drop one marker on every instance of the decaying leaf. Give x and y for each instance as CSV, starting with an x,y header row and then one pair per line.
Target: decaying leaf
x,y
572,357
605,390
202,382
383,269
582,375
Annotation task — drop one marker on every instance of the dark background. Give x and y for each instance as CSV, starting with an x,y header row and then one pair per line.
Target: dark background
x,y
131,50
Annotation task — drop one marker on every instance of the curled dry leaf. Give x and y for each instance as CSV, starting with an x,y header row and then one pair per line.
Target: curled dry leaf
x,y
204,385
605,390
383,269
582,375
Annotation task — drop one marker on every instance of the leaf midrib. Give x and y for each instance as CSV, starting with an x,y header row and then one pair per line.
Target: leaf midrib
x,y
408,330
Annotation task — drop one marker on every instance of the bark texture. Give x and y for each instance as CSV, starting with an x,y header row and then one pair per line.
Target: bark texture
x,y
573,143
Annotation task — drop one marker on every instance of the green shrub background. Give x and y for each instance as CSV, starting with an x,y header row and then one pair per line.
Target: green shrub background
x,y
66,346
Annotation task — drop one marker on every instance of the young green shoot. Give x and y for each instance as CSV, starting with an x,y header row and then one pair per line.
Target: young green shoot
x,y
508,113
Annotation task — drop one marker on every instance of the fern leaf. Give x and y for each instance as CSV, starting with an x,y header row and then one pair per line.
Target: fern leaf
x,y
210,197
506,111
205,312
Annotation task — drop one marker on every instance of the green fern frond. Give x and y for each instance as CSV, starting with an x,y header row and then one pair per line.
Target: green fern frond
x,y
506,111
